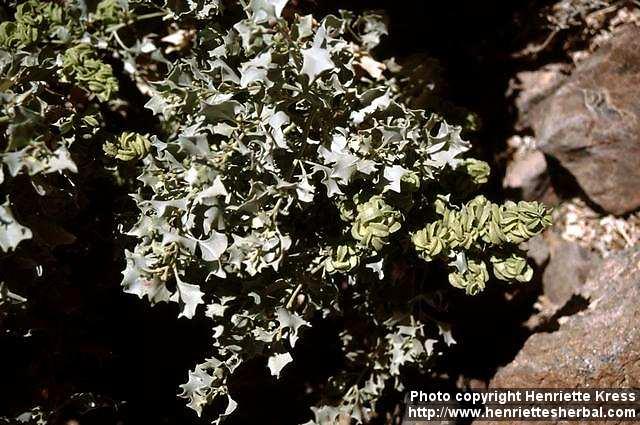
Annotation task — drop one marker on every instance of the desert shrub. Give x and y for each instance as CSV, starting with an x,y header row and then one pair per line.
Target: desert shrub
x,y
283,180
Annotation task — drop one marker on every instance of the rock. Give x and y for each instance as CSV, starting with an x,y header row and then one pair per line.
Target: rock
x,y
568,269
537,249
532,87
527,172
597,347
591,124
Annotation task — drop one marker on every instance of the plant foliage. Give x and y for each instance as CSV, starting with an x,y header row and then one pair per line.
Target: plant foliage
x,y
285,180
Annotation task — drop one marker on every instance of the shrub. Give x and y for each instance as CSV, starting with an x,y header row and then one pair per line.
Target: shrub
x,y
285,181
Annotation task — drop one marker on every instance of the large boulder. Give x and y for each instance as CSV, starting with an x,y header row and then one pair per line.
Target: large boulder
x,y
568,269
532,87
597,347
527,172
591,123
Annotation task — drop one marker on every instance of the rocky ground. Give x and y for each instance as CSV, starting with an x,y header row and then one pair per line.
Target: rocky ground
x,y
583,137
574,144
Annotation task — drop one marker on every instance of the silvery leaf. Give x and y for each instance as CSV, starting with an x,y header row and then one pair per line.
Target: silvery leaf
x,y
11,232
189,296
394,175
292,321
277,362
315,61
214,246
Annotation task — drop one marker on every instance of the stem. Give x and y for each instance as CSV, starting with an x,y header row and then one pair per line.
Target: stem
x,y
117,37
149,16
137,19
276,209
317,268
294,294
